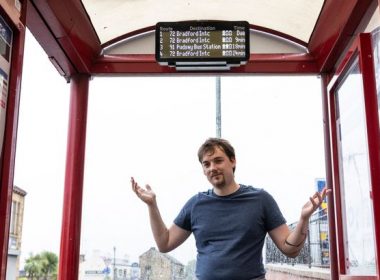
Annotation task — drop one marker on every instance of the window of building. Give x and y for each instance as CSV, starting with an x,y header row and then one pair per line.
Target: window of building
x,y
14,217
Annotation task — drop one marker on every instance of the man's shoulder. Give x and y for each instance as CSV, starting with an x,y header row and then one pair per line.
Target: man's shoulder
x,y
252,189
204,195
199,196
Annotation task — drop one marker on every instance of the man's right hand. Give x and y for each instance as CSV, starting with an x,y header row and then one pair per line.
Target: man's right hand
x,y
146,195
166,239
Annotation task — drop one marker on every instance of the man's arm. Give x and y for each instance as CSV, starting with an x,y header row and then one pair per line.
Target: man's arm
x,y
166,239
291,242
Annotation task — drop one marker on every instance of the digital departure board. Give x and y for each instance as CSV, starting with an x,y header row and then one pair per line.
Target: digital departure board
x,y
202,43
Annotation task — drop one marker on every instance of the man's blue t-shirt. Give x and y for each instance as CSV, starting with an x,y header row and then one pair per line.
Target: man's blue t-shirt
x,y
229,231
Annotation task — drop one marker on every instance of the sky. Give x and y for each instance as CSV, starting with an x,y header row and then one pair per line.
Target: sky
x,y
151,128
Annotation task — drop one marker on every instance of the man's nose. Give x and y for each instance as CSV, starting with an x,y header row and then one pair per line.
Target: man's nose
x,y
212,166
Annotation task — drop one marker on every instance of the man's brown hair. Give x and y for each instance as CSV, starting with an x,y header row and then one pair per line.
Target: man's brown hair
x,y
211,143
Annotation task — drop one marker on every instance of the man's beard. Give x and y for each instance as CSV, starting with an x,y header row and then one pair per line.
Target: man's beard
x,y
219,183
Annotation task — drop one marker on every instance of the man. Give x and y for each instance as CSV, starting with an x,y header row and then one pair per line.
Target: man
x,y
229,222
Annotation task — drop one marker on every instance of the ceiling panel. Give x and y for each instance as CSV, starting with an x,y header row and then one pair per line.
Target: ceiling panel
x,y
114,18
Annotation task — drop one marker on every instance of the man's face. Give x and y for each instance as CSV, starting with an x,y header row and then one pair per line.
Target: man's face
x,y
218,168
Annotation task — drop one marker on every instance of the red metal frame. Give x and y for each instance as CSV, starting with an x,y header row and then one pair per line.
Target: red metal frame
x,y
362,48
341,266
65,32
72,205
337,27
41,31
10,134
373,131
263,63
69,37
329,181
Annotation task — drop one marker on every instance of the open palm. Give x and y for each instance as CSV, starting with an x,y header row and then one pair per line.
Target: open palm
x,y
314,202
146,195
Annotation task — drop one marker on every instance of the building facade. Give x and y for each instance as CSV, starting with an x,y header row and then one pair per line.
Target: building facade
x,y
158,266
98,266
15,233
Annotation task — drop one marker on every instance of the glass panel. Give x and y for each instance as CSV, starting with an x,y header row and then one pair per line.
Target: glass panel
x,y
275,124
274,134
149,128
376,59
355,181
41,153
115,18
13,225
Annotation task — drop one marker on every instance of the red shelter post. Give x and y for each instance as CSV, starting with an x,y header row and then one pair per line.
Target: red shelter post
x,y
8,152
329,181
373,134
72,204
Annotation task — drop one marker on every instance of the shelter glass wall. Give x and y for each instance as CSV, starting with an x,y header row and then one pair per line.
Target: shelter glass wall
x,y
354,173
151,128
376,57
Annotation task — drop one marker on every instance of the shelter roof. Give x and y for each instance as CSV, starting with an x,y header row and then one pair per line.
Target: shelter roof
x,y
74,33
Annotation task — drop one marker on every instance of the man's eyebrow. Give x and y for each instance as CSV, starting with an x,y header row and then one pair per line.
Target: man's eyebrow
x,y
217,158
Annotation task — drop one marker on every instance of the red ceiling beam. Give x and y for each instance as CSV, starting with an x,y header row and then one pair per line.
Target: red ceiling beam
x,y
258,63
338,23
47,41
65,32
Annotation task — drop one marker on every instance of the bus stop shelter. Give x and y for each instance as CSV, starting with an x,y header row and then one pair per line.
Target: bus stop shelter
x,y
329,38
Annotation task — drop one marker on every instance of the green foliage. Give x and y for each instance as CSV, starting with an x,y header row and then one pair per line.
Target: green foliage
x,y
42,266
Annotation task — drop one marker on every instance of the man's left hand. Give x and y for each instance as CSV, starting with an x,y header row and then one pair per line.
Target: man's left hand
x,y
314,203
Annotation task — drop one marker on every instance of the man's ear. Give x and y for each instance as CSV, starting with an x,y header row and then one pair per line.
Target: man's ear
x,y
233,160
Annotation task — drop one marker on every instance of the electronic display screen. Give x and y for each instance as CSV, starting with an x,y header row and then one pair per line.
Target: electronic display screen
x,y
202,41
